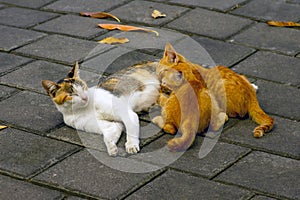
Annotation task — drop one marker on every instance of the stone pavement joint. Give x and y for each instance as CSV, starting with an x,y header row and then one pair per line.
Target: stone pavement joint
x,y
42,158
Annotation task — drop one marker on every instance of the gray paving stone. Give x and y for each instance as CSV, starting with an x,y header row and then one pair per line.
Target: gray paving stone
x,y
31,75
212,24
9,62
261,170
224,53
28,3
221,156
83,172
263,36
283,139
282,100
259,197
277,10
6,91
15,37
220,5
60,48
18,190
116,59
30,110
24,153
140,11
83,6
260,63
177,185
12,15
69,25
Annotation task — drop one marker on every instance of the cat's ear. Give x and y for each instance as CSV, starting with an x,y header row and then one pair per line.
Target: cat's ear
x,y
170,54
74,73
50,87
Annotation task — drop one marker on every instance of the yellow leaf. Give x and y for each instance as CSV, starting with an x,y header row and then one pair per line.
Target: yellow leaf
x,y
113,40
2,127
284,24
157,14
99,15
125,28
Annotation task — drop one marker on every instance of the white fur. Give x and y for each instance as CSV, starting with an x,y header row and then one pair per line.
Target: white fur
x,y
97,110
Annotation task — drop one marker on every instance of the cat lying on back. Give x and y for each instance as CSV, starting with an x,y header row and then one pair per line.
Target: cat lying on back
x,y
234,94
104,109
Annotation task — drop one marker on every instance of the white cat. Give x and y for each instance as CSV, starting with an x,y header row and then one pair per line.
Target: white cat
x,y
105,108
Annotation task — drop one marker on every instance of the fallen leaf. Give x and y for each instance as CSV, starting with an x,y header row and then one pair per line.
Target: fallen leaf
x,y
284,24
2,127
113,40
125,28
157,14
99,15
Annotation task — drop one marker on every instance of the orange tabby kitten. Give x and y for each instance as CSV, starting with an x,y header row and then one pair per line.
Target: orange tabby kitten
x,y
233,92
189,108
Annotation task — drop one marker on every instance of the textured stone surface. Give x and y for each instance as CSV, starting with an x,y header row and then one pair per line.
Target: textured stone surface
x,y
24,153
176,185
263,36
15,37
260,170
34,111
9,62
11,16
212,24
278,10
59,48
6,91
18,190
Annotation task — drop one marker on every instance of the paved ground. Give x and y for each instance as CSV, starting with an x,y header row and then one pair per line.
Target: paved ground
x,y
41,158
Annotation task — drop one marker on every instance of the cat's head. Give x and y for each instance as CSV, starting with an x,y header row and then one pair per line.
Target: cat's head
x,y
69,91
171,79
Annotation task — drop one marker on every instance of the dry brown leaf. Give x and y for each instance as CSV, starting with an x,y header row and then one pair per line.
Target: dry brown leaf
x,y
157,14
113,40
2,127
284,24
125,28
99,15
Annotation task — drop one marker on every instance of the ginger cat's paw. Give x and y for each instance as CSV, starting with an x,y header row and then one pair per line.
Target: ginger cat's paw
x,y
159,121
220,121
132,148
170,128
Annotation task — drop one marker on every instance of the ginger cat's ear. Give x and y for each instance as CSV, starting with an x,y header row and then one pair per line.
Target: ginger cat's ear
x,y
170,54
74,73
50,87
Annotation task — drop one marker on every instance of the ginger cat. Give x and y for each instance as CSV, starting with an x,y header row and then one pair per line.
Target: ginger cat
x,y
189,108
233,92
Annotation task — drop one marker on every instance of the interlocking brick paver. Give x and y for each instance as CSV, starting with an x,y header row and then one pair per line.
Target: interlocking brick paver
x,y
83,172
6,91
220,5
263,36
12,15
283,139
266,65
224,53
82,5
9,62
24,153
34,111
140,11
278,10
28,3
15,37
59,48
261,170
212,24
177,185
18,190
68,24
279,99
31,75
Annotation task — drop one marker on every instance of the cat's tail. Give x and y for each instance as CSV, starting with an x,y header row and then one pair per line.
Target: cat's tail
x,y
265,122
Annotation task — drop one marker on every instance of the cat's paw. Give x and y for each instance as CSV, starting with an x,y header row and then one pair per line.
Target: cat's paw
x,y
170,128
112,149
254,86
159,121
132,148
220,121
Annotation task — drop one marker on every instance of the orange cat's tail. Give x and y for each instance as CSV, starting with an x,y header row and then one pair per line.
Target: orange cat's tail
x,y
259,116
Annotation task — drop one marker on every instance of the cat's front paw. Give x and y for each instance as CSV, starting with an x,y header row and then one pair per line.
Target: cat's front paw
x,y
132,148
112,149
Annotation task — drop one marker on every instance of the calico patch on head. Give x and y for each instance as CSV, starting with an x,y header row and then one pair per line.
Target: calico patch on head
x,y
69,89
